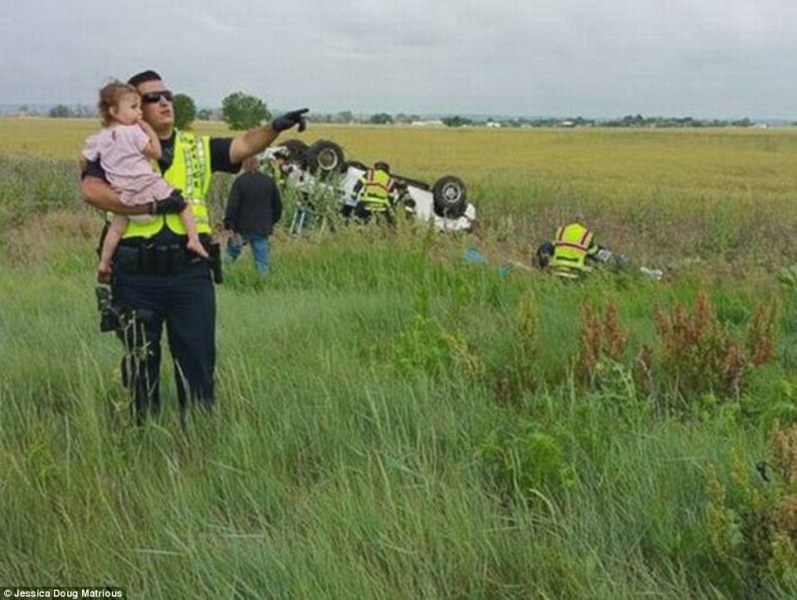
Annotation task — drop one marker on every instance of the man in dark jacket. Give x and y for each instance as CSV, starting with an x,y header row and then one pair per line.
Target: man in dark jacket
x,y
254,207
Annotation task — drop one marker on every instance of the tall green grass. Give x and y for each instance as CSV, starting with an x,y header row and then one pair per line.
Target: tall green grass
x,y
394,421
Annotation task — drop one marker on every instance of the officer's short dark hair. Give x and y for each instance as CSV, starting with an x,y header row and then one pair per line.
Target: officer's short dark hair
x,y
144,76
382,166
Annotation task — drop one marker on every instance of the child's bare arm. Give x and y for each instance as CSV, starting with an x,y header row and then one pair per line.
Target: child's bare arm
x,y
153,148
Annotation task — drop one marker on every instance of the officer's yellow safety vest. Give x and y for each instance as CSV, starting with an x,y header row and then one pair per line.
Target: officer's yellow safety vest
x,y
571,247
190,174
376,189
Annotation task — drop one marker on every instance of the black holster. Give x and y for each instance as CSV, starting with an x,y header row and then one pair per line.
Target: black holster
x,y
213,249
110,315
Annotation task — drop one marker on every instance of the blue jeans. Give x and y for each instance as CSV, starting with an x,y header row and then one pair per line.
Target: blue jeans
x,y
259,245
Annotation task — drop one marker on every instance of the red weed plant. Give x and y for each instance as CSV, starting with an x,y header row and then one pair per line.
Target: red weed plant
x,y
787,517
602,338
783,446
701,356
784,454
761,336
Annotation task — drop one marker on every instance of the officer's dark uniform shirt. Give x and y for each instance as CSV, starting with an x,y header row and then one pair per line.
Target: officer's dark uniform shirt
x,y
219,161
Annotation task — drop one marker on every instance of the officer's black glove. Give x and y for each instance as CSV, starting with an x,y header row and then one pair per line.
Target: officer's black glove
x,y
172,204
289,119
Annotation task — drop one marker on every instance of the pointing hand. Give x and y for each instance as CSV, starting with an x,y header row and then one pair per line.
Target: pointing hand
x,y
289,119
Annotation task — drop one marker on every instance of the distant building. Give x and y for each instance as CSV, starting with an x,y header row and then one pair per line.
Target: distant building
x,y
431,123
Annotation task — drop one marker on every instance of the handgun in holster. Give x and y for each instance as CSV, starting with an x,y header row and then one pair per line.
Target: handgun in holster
x,y
214,252
109,315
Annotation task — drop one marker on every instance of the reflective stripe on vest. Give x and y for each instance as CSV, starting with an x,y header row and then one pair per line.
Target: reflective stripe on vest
x,y
376,189
189,173
570,249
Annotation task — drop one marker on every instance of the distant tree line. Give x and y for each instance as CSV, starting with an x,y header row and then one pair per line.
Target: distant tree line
x,y
62,111
626,121
640,121
243,111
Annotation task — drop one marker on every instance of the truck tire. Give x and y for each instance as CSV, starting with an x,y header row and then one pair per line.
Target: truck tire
x,y
450,197
327,156
296,148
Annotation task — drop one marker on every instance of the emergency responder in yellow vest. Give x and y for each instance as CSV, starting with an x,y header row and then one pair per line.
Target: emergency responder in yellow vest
x,y
374,193
154,280
568,255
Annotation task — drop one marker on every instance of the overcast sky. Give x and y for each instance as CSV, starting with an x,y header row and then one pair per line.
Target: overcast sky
x,y
602,58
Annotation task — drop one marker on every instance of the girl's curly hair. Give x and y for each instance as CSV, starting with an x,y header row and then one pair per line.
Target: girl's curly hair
x,y
109,98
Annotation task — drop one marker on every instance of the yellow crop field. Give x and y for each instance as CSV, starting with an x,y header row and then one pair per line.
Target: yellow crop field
x,y
733,162
722,159
662,191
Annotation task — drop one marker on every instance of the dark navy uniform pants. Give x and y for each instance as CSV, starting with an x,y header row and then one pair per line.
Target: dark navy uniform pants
x,y
185,302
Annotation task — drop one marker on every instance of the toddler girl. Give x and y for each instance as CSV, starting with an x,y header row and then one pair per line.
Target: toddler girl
x,y
125,147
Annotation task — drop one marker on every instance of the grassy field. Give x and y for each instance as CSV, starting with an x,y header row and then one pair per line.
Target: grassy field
x,y
396,422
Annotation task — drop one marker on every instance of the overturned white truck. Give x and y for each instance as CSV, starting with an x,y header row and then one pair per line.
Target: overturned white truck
x,y
323,165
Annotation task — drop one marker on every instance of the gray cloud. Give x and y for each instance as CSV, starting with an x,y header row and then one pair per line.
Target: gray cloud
x,y
710,58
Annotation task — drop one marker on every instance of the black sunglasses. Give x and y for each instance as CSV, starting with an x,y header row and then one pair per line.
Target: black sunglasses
x,y
153,97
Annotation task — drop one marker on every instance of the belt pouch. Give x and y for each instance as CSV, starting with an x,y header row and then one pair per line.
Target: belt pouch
x,y
162,260
147,258
126,259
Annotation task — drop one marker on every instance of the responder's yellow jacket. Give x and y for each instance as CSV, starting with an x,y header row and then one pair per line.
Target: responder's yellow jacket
x,y
375,192
572,245
189,173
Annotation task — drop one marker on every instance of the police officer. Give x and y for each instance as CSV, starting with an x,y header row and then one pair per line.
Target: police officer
x,y
155,281
568,255
373,193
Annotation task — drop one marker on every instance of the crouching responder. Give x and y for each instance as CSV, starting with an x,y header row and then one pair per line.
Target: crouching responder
x,y
569,254
373,194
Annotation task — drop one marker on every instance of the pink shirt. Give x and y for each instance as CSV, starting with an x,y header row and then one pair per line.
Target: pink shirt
x,y
121,152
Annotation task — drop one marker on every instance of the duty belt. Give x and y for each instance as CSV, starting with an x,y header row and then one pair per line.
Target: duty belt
x,y
152,259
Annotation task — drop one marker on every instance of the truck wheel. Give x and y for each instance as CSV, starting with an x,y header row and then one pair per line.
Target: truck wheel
x,y
450,197
296,148
328,157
